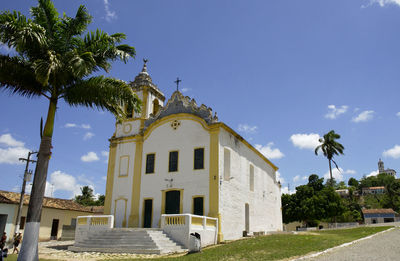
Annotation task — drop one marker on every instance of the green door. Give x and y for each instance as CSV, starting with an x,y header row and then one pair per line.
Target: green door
x,y
172,202
148,209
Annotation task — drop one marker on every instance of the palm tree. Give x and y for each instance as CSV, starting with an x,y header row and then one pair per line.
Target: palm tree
x,y
53,60
330,148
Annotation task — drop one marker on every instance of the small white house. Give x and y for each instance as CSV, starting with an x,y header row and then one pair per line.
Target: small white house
x,y
179,158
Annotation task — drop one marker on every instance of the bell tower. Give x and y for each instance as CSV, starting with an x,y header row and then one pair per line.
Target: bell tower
x,y
381,167
152,98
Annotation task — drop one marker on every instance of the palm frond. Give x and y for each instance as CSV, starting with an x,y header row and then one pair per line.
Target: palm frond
x,y
17,77
75,26
103,93
46,15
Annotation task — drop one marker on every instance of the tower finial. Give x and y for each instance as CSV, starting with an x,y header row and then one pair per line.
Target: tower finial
x,y
144,70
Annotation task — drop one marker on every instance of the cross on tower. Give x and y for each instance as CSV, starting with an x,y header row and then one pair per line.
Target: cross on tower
x,y
145,61
177,83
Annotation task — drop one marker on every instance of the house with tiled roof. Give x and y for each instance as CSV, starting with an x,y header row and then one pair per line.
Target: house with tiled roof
x,y
383,215
56,213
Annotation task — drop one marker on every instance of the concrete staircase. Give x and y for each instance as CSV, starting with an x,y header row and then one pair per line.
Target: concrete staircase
x,y
127,240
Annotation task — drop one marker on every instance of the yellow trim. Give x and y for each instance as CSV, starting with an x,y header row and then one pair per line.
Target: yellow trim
x,y
154,167
198,196
214,179
211,222
136,185
110,178
197,221
228,129
177,116
177,161
126,127
144,106
152,207
194,157
119,167
82,221
115,209
163,199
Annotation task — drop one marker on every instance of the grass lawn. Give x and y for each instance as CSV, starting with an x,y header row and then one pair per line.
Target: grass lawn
x,y
275,247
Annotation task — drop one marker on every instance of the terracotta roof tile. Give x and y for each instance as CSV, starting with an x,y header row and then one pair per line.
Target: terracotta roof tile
x,y
9,197
379,211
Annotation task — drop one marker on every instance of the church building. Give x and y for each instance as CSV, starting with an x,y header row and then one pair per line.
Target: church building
x,y
179,158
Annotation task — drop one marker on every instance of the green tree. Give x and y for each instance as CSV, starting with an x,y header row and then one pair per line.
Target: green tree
x,y
330,147
312,203
87,198
53,60
353,182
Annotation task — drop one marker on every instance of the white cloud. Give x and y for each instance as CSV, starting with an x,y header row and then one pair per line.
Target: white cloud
x,y
373,173
279,177
89,157
247,128
296,178
334,112
269,152
398,114
285,190
338,175
74,125
11,150
382,3
110,15
364,116
8,140
88,135
61,181
393,152
70,125
305,141
105,154
183,90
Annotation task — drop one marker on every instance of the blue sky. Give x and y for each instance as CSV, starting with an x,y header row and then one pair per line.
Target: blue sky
x,y
281,73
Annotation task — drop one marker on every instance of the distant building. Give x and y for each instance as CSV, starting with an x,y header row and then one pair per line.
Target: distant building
x,y
343,192
373,190
56,213
382,169
384,215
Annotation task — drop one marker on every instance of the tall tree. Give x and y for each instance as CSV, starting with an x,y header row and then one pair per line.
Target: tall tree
x,y
53,60
330,147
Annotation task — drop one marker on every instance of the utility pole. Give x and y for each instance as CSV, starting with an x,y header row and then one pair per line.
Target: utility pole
x,y
21,200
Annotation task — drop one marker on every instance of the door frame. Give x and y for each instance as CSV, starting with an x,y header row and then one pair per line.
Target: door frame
x,y
56,230
144,211
163,198
247,217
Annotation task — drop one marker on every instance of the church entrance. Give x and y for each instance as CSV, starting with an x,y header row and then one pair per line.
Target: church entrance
x,y
172,202
148,211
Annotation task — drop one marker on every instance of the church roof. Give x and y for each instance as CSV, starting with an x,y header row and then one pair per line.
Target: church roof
x,y
183,104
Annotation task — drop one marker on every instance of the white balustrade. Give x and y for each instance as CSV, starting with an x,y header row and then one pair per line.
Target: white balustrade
x,y
90,223
180,226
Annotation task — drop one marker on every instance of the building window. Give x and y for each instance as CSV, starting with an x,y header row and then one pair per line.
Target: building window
x,y
173,161
156,106
198,206
123,166
150,158
22,223
199,158
227,164
251,178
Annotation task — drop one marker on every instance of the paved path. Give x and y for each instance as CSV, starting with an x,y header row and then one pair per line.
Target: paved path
x,y
382,247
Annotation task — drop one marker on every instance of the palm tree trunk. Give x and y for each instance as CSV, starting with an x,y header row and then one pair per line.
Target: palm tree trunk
x,y
29,247
330,172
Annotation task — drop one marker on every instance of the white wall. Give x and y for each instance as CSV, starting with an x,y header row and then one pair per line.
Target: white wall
x,y
163,139
122,187
264,202
10,211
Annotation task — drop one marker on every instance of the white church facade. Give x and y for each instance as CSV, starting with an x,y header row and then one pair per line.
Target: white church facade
x,y
178,158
